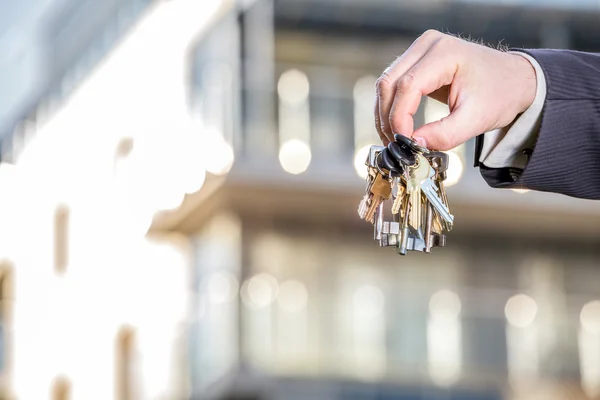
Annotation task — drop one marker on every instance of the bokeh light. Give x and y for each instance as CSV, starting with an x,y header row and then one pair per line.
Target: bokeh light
x,y
445,303
221,287
360,157
260,291
455,169
295,156
521,310
216,152
590,317
293,87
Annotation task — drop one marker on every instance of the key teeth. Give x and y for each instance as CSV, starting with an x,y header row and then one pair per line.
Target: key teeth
x,y
362,209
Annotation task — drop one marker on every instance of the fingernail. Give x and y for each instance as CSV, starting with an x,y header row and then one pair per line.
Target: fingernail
x,y
421,141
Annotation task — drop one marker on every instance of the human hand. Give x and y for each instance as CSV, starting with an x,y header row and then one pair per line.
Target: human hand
x,y
484,88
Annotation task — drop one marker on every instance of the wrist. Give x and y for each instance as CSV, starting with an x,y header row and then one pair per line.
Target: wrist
x,y
526,81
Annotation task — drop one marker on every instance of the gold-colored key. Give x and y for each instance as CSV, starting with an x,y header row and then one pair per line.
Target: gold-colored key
x,y
378,190
401,190
416,174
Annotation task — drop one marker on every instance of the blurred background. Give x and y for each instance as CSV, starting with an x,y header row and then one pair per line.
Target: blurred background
x,y
178,191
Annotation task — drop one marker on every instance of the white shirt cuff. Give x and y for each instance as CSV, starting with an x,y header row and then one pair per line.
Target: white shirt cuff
x,y
505,147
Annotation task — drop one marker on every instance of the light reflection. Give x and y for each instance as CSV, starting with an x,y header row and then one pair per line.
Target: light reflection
x,y
293,87
217,153
193,169
455,169
260,291
522,342
521,310
294,121
70,323
221,287
590,317
445,303
359,161
444,338
295,156
589,349
368,332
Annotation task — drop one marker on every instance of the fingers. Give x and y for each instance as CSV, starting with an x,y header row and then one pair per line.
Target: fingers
x,y
382,135
431,74
448,132
386,84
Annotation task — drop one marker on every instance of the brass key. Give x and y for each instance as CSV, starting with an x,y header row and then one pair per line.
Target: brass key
x,y
378,190
415,175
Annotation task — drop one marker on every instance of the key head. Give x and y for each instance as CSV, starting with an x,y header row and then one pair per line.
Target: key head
x,y
411,144
439,160
373,156
379,189
389,164
402,154
421,171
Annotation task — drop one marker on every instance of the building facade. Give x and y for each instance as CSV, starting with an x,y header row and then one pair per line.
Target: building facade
x,y
183,224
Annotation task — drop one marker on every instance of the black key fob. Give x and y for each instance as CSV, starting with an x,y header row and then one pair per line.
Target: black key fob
x,y
404,154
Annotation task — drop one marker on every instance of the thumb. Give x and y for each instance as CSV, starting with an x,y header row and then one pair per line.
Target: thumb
x,y
448,132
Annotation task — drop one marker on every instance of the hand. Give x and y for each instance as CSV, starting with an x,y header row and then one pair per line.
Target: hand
x,y
484,88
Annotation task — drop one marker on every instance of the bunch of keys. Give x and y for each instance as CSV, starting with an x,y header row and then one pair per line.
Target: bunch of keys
x,y
413,178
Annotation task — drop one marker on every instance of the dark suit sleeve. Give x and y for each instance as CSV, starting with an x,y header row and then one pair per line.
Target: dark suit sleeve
x,y
566,157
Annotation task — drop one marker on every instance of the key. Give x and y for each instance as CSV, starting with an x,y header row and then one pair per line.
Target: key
x,y
416,175
400,190
403,247
378,190
439,161
430,189
428,227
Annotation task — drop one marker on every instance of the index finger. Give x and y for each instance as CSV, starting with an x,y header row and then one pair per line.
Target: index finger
x,y
435,70
386,84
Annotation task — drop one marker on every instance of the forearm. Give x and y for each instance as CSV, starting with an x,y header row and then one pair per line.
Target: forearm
x,y
565,158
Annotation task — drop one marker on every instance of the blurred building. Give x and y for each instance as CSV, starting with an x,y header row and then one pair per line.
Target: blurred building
x,y
181,220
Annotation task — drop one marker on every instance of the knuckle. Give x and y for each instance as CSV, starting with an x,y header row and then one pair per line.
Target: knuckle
x,y
407,82
383,127
383,83
448,43
444,41
431,34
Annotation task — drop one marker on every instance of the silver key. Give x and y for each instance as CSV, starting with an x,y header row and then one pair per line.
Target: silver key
x,y
430,189
415,176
